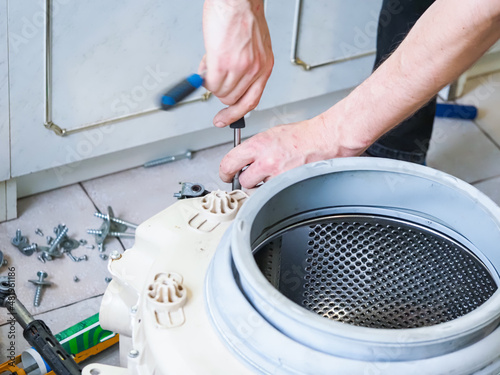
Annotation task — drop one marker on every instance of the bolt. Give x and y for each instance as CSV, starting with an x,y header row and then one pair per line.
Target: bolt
x,y
83,257
83,242
76,279
115,255
19,235
40,283
115,219
39,232
49,240
168,159
91,247
41,258
134,353
101,248
108,279
103,256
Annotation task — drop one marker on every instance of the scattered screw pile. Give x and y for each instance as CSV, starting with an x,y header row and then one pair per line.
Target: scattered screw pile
x,y
63,244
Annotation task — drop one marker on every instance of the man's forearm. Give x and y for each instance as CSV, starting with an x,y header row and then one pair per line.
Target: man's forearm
x,y
444,43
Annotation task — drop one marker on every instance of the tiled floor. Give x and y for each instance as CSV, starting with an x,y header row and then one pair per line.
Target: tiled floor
x,y
466,149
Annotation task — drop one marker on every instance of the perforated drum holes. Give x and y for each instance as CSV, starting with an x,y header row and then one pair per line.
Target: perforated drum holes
x,y
375,271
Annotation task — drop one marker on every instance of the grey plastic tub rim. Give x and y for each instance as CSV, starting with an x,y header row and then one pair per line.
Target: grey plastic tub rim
x,y
457,333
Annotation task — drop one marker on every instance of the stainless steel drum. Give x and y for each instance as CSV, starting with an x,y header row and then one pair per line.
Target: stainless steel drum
x,y
376,271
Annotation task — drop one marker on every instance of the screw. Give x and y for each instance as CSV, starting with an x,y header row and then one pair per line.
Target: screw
x,y
49,240
115,219
121,234
40,283
58,239
74,259
112,234
101,248
134,353
115,255
76,279
168,159
39,232
91,247
20,241
83,242
30,249
71,256
103,256
108,279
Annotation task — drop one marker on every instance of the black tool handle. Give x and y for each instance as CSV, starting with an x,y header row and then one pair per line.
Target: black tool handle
x,y
39,335
238,124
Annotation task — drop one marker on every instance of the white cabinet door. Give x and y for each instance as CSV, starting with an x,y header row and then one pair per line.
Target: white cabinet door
x,y
336,38
4,97
109,59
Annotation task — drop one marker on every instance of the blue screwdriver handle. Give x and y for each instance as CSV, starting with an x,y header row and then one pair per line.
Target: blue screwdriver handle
x,y
180,91
466,112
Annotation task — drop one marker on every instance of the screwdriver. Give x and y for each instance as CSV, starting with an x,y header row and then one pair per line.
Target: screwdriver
x,y
187,86
237,126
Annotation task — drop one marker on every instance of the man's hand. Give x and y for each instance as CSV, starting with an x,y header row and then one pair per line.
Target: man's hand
x,y
399,87
282,148
239,58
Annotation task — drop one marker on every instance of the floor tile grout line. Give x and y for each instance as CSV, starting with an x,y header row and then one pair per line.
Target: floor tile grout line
x,y
97,209
88,195
484,180
62,307
474,121
487,135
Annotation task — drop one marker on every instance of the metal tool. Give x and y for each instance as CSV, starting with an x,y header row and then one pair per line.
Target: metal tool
x,y
184,88
237,126
37,333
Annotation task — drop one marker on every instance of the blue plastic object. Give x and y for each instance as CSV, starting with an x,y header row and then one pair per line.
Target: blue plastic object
x,y
180,91
465,112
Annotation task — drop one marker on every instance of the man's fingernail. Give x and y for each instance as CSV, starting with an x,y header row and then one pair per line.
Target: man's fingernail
x,y
220,124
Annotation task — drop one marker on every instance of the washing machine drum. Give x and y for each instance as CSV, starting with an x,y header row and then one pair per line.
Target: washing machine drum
x,y
357,266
